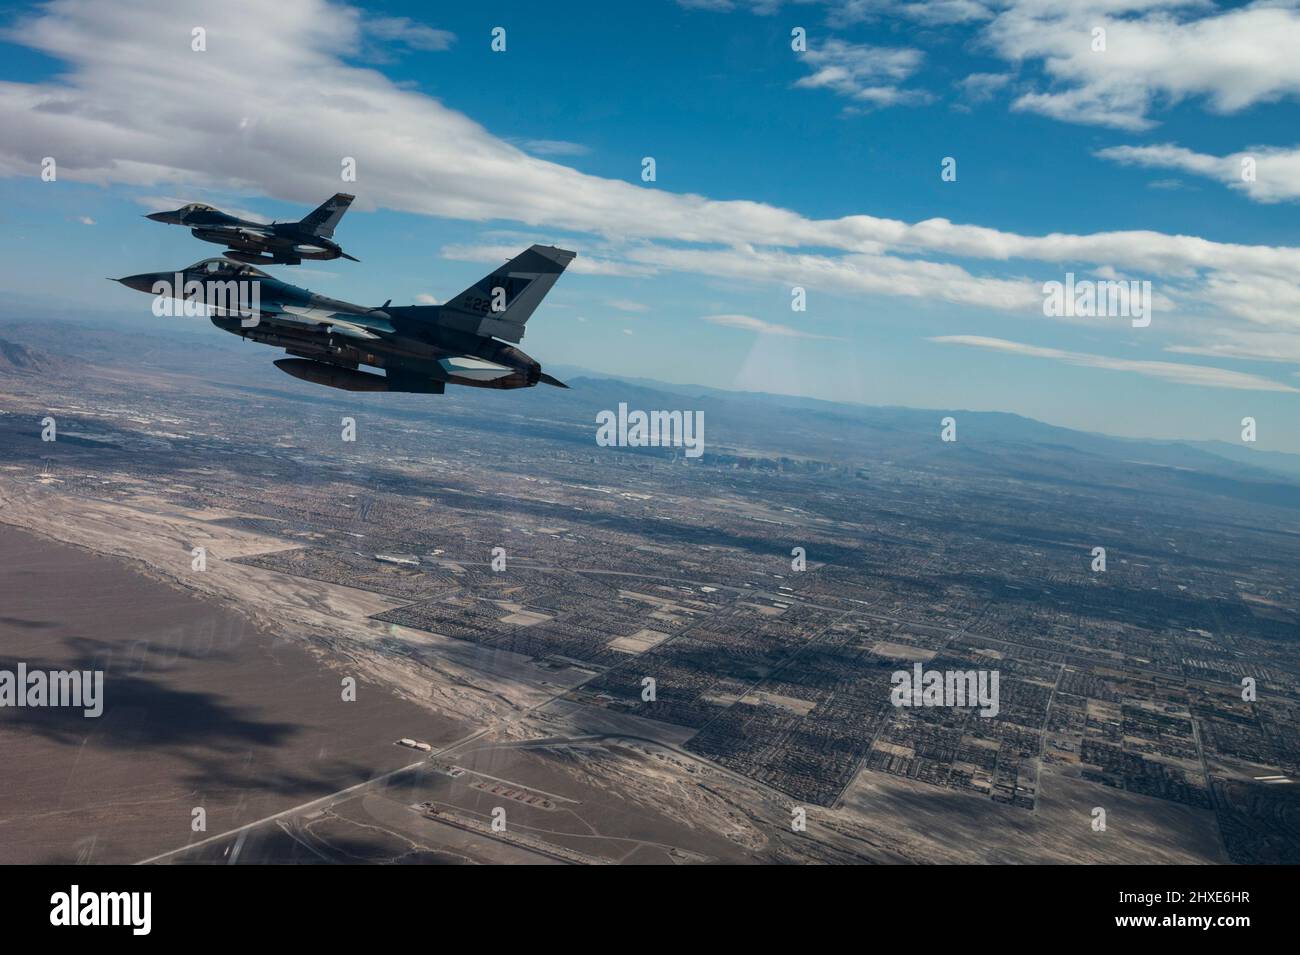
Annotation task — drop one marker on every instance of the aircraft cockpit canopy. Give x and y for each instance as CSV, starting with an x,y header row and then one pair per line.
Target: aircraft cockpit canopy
x,y
226,269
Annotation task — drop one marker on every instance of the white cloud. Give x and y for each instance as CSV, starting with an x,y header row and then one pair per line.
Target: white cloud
x,y
554,147
876,274
869,75
626,305
1275,170
407,32
1158,52
980,87
841,13
1275,346
424,298
751,324
845,12
584,264
1200,375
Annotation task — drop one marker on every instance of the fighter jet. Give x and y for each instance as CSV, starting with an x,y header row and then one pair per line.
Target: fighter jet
x,y
276,243
421,348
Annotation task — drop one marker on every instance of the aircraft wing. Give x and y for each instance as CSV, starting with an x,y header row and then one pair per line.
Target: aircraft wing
x,y
253,232
352,325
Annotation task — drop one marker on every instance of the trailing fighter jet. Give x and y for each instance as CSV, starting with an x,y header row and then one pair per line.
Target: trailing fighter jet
x,y
421,348
276,243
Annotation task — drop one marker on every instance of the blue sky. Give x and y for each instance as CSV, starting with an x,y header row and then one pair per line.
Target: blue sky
x,y
774,168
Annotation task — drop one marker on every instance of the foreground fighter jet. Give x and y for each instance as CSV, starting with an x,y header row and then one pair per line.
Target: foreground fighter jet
x,y
421,348
277,243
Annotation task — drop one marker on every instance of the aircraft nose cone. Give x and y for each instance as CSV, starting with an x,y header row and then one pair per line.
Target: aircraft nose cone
x,y
141,283
160,216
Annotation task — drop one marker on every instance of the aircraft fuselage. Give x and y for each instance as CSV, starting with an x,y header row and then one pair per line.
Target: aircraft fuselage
x,y
414,353
467,340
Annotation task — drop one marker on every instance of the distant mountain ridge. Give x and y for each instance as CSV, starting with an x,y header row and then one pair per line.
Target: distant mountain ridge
x,y
1218,457
20,359
741,419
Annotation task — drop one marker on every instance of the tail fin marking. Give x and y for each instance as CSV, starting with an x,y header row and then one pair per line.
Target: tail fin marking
x,y
322,221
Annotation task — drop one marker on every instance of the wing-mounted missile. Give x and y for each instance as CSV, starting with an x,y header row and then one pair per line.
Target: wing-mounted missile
x,y
367,326
351,331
